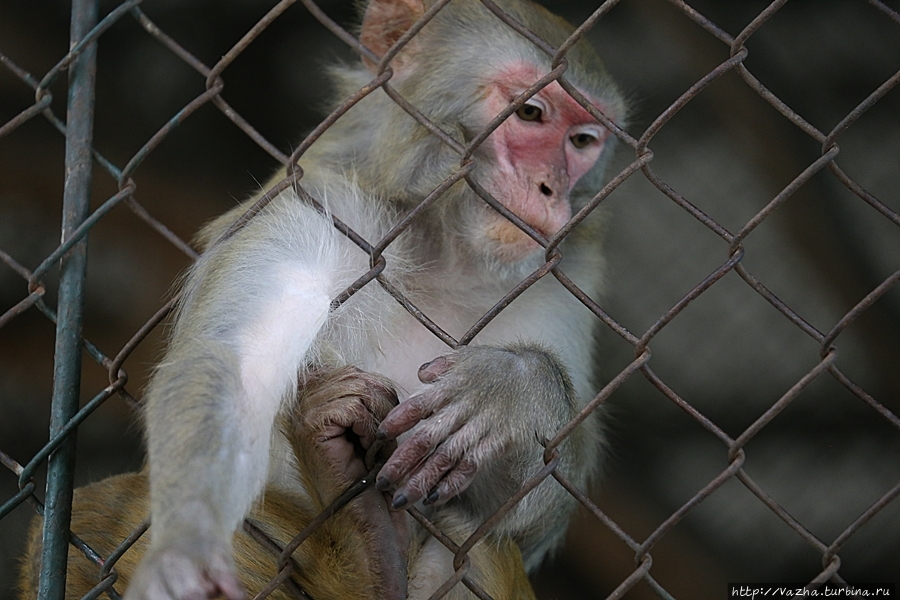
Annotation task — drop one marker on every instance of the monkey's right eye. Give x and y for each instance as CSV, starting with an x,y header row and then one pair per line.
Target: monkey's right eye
x,y
530,112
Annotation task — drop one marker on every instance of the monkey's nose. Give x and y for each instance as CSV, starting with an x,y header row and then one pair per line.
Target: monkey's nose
x,y
545,189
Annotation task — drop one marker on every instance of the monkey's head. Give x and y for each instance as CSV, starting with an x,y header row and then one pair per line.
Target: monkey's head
x,y
464,68
536,158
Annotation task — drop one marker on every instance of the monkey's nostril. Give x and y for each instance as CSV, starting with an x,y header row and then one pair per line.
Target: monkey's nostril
x,y
546,190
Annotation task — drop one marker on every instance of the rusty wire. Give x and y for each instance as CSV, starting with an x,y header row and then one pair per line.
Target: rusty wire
x,y
214,77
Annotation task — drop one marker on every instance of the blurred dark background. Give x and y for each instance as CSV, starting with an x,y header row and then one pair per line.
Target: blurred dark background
x,y
826,458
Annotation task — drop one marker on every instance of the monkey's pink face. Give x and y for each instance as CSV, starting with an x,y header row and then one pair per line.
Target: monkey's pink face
x,y
542,150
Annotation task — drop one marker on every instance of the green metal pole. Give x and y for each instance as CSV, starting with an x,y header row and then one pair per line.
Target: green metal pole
x,y
73,266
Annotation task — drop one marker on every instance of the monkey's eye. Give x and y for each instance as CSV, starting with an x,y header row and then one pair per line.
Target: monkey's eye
x,y
530,111
583,139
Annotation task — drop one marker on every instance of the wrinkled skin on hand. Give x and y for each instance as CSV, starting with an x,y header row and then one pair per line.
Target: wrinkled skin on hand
x,y
469,416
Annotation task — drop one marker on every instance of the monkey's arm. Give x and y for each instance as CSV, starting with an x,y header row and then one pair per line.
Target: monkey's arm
x,y
250,311
519,393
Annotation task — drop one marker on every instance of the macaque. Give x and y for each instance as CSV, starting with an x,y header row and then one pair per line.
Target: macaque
x,y
257,312
364,550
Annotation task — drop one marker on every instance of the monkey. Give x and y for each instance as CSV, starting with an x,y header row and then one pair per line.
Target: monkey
x,y
267,300
364,550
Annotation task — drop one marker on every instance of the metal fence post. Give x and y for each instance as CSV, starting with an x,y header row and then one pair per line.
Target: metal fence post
x,y
67,356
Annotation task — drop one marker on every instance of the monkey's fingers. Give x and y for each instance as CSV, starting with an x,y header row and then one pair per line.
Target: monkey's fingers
x,y
435,369
404,417
349,417
169,575
421,461
339,450
454,483
405,458
441,476
447,471
365,431
346,396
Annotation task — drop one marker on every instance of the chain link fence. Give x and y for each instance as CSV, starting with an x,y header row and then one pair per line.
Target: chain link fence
x,y
754,248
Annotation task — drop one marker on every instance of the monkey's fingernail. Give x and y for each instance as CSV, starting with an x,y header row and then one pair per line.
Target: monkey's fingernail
x,y
380,435
399,501
429,363
432,370
382,483
432,498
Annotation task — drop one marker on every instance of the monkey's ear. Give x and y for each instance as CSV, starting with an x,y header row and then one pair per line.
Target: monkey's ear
x,y
383,24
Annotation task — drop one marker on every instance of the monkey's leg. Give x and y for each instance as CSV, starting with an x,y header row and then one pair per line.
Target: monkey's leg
x,y
495,562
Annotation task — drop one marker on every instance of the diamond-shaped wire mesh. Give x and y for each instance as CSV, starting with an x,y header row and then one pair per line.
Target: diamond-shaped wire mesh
x,y
751,321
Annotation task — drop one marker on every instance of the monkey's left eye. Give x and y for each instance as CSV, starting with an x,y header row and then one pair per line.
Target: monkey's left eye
x,y
583,139
531,111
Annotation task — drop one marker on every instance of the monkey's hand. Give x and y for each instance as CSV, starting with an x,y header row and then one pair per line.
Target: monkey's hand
x,y
478,421
186,569
335,424
332,432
